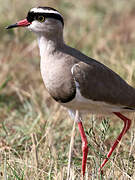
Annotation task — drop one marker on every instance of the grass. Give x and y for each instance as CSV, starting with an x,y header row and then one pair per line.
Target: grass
x,y
35,131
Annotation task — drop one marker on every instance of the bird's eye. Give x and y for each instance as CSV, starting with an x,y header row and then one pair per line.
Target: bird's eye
x,y
41,18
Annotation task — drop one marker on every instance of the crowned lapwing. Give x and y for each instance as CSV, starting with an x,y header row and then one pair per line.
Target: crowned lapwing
x,y
75,80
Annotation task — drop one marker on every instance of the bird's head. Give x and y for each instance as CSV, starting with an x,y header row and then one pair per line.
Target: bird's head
x,y
42,20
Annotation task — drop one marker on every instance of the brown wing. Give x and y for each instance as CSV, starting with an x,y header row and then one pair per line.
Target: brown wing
x,y
99,83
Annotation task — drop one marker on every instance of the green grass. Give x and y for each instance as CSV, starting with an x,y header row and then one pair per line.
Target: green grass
x,y
35,131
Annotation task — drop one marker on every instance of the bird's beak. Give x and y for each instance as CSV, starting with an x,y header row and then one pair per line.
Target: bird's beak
x,y
22,23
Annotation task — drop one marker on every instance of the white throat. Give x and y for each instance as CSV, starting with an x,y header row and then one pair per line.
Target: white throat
x,y
48,46
45,46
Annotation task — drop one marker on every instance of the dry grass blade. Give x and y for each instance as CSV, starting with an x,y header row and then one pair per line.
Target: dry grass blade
x,y
69,171
34,150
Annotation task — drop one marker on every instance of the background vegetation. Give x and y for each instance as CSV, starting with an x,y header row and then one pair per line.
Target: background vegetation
x,y
35,131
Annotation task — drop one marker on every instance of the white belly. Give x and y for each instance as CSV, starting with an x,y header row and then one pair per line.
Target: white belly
x,y
83,104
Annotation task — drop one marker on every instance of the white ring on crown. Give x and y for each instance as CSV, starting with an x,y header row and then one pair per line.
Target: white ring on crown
x,y
40,10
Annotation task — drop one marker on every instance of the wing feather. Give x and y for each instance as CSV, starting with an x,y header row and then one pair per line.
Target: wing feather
x,y
99,83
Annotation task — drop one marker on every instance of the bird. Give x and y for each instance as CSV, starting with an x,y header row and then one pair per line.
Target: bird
x,y
76,81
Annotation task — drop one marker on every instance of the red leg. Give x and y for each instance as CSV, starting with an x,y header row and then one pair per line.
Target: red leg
x,y
127,123
84,146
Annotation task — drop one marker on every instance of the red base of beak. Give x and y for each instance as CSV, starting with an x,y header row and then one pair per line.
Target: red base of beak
x,y
22,23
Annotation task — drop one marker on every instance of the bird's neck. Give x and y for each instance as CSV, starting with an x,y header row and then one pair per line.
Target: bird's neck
x,y
49,44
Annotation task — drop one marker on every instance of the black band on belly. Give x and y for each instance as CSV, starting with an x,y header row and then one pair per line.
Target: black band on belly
x,y
66,98
128,108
